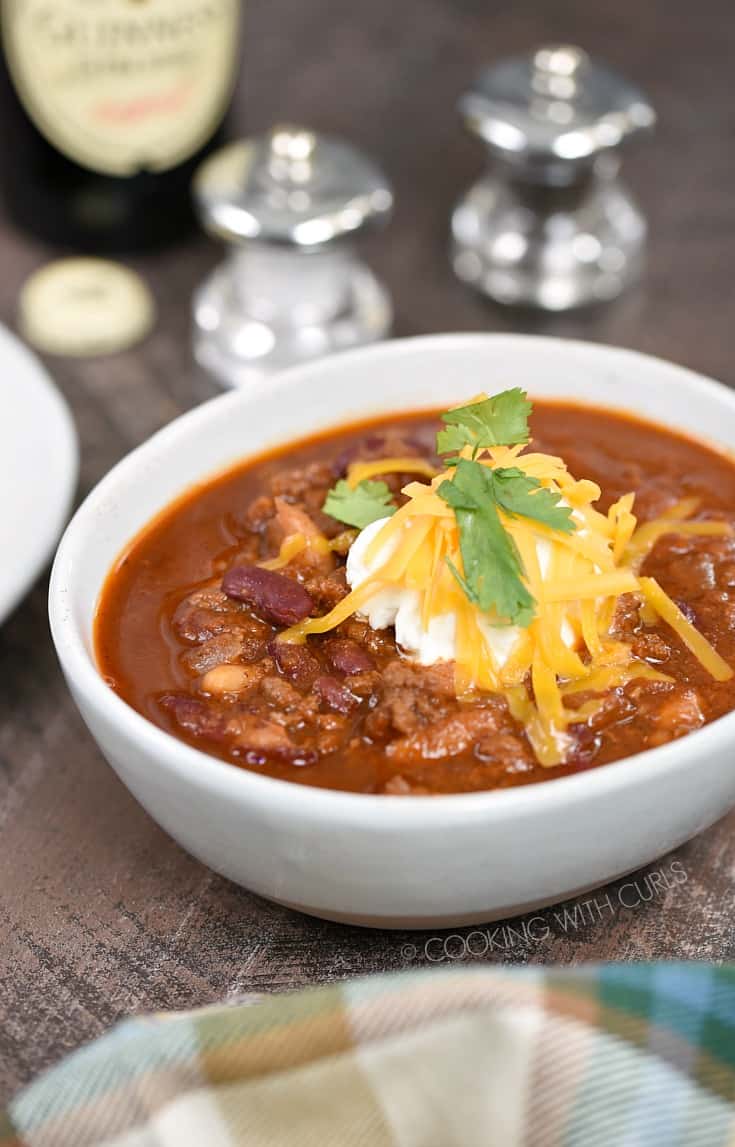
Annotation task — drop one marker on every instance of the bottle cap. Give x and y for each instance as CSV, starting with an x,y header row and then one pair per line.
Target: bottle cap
x,y
85,307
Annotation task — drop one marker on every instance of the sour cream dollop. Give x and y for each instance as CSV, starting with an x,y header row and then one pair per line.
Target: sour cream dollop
x,y
401,607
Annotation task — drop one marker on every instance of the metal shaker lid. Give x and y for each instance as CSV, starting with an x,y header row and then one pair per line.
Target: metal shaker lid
x,y
555,104
291,186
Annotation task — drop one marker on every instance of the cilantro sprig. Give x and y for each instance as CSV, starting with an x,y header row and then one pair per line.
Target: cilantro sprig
x,y
498,421
492,564
493,568
493,576
359,505
524,497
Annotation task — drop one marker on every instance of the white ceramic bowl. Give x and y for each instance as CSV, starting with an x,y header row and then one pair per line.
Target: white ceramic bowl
x,y
380,860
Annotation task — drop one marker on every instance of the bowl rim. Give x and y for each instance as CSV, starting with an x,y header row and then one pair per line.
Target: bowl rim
x,y
199,767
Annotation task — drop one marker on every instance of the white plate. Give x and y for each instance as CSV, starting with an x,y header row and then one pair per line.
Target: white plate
x,y
39,462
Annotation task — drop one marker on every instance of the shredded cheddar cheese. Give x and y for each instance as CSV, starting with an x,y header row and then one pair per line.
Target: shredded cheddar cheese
x,y
291,546
295,544
669,612
576,580
362,471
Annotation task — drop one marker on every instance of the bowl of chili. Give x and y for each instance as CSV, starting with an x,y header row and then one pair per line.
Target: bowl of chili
x,y
366,745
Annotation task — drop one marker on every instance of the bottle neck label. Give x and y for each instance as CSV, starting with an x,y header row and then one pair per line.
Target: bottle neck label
x,y
121,86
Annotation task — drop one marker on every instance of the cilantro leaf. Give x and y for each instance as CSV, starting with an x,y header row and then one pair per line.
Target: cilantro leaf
x,y
498,421
361,505
493,569
524,497
492,565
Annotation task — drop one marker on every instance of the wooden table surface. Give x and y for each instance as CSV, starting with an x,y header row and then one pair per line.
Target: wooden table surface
x,y
101,914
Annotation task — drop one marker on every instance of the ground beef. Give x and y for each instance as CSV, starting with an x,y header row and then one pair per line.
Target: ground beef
x,y
335,695
327,591
448,737
348,656
209,613
225,649
651,647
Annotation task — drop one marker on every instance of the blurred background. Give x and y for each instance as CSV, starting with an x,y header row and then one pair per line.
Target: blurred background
x,y
101,912
387,77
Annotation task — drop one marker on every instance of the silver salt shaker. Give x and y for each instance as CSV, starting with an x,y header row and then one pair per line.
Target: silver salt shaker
x,y
550,224
291,288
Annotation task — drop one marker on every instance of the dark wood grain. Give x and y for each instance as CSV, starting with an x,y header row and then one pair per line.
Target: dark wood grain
x,y
100,913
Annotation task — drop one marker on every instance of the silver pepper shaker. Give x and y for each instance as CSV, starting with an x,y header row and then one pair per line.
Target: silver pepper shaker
x,y
550,225
291,287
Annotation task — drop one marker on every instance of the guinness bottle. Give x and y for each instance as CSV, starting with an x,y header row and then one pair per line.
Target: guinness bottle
x,y
107,108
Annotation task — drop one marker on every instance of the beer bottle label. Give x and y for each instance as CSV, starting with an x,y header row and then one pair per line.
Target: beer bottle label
x,y
121,86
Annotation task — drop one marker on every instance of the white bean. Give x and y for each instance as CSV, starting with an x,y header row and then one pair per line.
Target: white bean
x,y
226,679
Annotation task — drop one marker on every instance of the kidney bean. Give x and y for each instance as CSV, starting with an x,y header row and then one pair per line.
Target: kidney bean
x,y
294,661
347,656
258,741
195,716
271,596
335,695
689,612
343,460
377,445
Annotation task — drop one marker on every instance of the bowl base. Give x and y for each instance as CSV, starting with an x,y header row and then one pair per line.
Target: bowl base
x,y
452,920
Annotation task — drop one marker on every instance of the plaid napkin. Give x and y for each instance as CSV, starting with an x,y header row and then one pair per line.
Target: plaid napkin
x,y
630,1055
